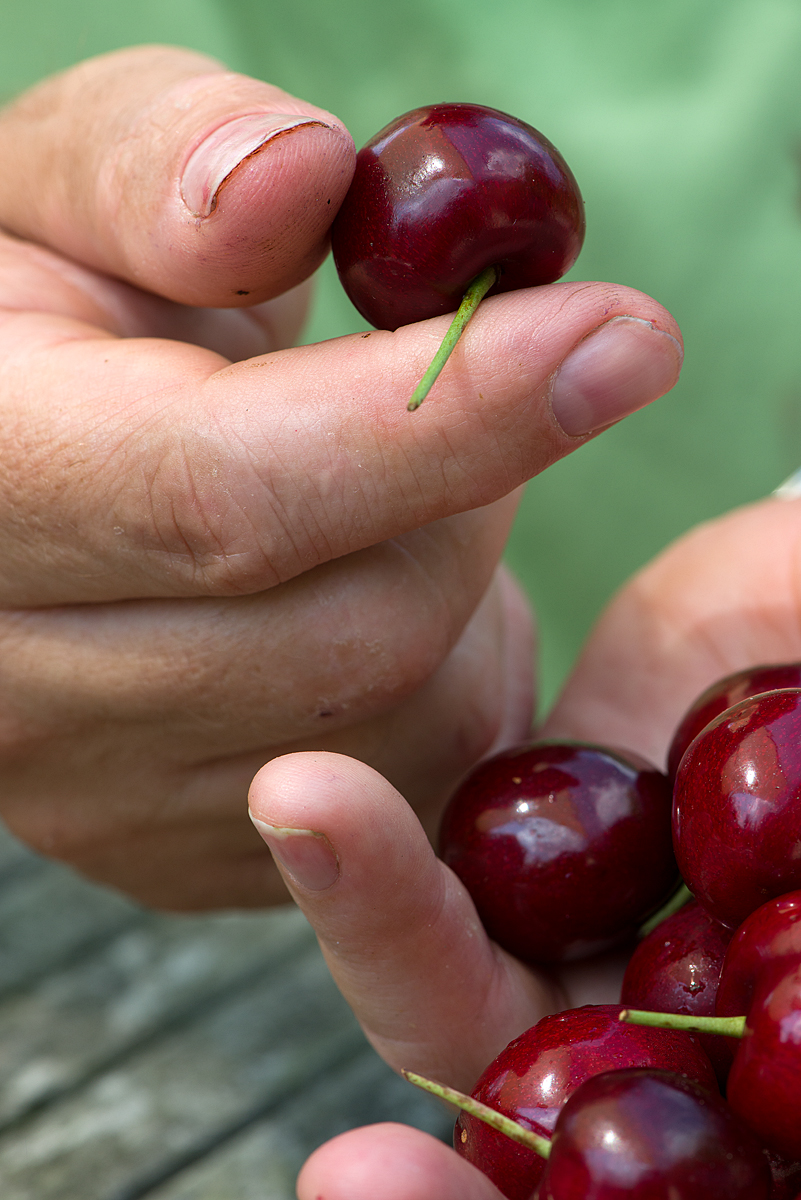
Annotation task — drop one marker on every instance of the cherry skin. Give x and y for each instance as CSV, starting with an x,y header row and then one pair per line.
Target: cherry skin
x,y
531,1079
564,848
722,695
442,193
651,1135
765,1081
737,807
771,933
677,968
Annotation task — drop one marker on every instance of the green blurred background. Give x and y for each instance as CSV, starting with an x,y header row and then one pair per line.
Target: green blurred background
x,y
682,123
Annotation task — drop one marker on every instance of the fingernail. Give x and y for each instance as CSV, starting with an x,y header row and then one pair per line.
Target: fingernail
x,y
222,151
306,856
617,369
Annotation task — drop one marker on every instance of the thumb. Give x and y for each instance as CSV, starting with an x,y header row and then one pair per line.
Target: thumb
x,y
157,165
398,930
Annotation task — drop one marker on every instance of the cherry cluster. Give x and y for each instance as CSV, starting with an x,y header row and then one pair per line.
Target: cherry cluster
x,y
566,849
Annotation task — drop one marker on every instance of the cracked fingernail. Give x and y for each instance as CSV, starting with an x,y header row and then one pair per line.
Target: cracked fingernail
x,y
222,151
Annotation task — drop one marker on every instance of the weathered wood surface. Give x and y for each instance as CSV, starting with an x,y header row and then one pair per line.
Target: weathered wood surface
x,y
171,1058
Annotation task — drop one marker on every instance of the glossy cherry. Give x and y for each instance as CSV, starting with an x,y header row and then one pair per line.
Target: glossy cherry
x,y
737,807
442,193
651,1135
564,848
771,933
531,1079
722,695
677,968
765,1081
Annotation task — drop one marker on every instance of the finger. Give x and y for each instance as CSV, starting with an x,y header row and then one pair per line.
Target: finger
x,y
724,597
398,930
129,742
162,473
157,165
391,1162
34,279
328,650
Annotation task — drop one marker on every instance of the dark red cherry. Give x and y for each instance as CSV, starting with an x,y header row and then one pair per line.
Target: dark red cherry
x,y
564,848
722,695
650,1135
737,807
765,1081
676,969
771,933
442,193
531,1079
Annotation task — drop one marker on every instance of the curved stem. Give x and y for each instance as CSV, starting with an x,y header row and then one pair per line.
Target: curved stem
x,y
725,1026
518,1133
475,293
676,901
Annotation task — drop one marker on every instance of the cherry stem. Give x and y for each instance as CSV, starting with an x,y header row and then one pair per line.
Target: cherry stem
x,y
676,901
475,293
726,1026
518,1133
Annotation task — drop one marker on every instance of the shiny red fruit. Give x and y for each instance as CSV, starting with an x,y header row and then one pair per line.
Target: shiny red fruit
x,y
765,1081
676,969
442,193
532,1078
737,807
564,848
650,1135
771,933
722,695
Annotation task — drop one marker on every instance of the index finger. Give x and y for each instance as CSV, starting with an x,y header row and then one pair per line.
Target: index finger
x,y
155,469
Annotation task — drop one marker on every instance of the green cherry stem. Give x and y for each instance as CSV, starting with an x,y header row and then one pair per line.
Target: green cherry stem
x,y
475,293
725,1026
676,901
518,1133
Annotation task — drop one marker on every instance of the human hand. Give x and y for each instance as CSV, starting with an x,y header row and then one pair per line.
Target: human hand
x,y
398,931
405,945
214,549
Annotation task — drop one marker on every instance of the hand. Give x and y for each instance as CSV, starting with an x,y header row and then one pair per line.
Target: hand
x,y
406,948
399,933
213,549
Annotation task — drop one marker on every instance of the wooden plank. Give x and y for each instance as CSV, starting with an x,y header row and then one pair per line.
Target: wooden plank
x,y
252,1050
76,1021
49,915
262,1163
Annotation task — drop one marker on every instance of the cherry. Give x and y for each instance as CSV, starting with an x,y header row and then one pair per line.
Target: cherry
x,y
447,203
677,969
651,1135
564,848
722,695
442,193
771,933
765,1081
737,806
530,1080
